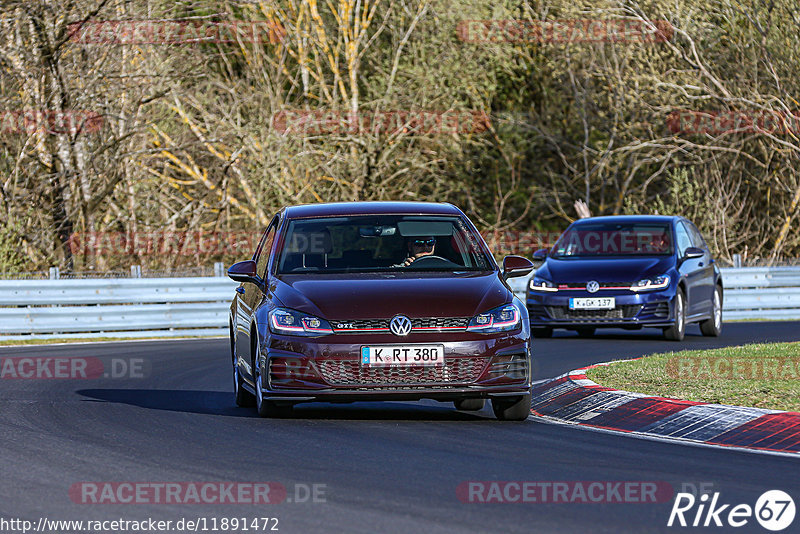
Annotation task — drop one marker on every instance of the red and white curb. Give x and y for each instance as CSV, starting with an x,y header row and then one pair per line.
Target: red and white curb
x,y
572,398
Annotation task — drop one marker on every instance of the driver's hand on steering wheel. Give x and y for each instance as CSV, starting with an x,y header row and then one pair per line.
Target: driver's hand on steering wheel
x,y
408,261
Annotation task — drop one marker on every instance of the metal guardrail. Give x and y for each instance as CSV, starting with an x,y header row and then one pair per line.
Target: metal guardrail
x,y
761,293
167,307
119,307
749,292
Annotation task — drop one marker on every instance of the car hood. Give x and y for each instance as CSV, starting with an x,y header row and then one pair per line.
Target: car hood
x,y
581,270
384,295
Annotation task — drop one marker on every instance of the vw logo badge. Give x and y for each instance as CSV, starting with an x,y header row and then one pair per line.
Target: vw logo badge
x,y
400,325
592,286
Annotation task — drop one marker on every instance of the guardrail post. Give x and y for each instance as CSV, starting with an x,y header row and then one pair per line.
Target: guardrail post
x,y
737,261
54,273
219,269
136,271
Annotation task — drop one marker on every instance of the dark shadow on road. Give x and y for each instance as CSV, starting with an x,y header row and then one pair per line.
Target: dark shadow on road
x,y
187,401
221,403
643,334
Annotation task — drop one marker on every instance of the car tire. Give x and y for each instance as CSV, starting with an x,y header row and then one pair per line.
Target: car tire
x,y
713,327
542,332
469,405
585,332
512,408
241,396
268,408
677,331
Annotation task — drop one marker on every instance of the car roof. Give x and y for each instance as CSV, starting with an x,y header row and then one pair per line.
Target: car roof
x,y
333,209
631,219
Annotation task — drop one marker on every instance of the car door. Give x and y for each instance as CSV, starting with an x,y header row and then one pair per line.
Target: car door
x,y
249,296
690,270
705,291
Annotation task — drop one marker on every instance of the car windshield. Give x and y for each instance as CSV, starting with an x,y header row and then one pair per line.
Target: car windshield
x,y
381,243
598,239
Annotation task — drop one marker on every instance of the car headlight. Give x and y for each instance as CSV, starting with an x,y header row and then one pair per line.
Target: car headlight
x,y
651,284
506,317
540,284
294,323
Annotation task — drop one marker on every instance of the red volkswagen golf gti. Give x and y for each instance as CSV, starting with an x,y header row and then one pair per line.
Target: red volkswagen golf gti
x,y
373,301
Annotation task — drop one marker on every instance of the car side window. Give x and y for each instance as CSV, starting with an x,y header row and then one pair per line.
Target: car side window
x,y
682,238
697,237
265,248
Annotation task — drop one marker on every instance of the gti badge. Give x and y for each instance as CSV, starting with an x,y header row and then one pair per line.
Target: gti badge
x,y
592,286
400,325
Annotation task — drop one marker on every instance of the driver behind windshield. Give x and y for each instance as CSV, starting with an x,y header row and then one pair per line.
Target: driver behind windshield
x,y
419,247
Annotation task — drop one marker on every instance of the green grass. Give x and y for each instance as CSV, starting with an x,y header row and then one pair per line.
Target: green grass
x,y
16,342
761,375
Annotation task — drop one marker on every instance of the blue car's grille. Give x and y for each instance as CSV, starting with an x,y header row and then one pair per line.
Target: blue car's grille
x,y
536,310
659,309
603,285
563,313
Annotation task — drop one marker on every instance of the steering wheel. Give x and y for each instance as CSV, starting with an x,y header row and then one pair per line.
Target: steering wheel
x,y
427,258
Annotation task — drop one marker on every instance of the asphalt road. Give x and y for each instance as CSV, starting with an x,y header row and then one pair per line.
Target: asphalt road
x,y
391,467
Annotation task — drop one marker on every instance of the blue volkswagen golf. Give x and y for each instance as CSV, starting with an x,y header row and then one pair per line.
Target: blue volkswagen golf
x,y
627,272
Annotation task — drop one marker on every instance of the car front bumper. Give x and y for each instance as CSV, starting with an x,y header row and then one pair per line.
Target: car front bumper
x,y
632,310
329,369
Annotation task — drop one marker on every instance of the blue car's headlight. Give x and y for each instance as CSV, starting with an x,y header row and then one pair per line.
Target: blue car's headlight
x,y
540,284
294,323
651,284
506,317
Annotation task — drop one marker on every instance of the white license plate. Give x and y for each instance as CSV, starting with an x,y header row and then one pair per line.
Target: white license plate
x,y
592,303
402,355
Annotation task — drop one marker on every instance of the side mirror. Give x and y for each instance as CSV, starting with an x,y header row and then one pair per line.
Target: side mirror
x,y
244,271
541,254
516,266
693,252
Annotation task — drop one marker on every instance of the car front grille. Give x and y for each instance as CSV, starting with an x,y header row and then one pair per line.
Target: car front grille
x,y
461,370
536,310
440,322
603,285
659,309
511,365
563,313
360,324
377,326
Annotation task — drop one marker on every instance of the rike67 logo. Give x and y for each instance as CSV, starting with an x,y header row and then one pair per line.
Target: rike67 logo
x,y
774,510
